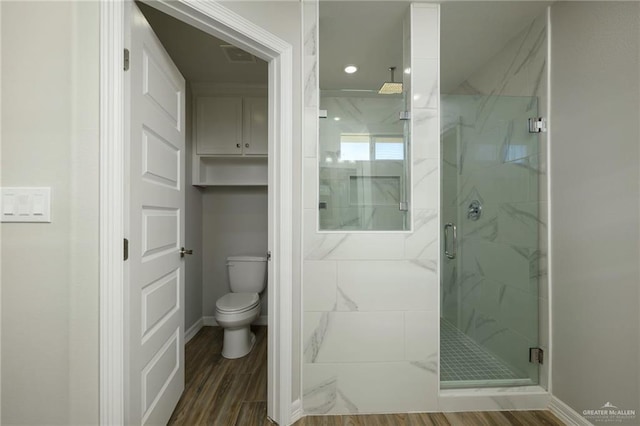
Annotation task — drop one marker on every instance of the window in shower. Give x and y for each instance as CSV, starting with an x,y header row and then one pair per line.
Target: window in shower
x,y
363,165
365,147
363,139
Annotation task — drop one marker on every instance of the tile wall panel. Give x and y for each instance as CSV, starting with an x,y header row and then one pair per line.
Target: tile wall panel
x,y
371,324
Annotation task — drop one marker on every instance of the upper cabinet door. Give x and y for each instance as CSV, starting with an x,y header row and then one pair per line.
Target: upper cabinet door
x,y
219,125
256,119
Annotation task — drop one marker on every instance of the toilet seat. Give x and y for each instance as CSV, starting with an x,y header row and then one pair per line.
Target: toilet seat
x,y
237,302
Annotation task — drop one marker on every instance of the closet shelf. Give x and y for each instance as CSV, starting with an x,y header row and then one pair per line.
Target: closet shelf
x,y
231,171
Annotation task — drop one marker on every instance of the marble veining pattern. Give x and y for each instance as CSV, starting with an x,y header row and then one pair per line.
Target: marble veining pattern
x,y
430,364
321,398
346,302
314,343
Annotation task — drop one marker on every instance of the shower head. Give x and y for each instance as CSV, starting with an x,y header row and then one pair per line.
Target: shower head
x,y
390,87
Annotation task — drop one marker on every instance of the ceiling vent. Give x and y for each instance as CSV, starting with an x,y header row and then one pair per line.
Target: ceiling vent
x,y
235,55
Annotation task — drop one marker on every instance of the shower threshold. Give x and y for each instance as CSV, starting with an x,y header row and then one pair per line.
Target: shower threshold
x,y
465,364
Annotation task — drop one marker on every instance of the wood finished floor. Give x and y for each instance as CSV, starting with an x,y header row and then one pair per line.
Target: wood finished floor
x,y
220,391
224,392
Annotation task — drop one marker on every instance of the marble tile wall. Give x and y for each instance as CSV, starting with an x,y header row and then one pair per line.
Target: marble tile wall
x,y
371,300
499,288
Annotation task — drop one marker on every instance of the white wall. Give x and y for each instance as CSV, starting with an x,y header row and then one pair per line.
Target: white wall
x,y
234,222
50,271
193,231
595,215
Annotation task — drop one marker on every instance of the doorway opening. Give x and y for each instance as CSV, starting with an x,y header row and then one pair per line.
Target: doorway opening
x,y
216,21
226,226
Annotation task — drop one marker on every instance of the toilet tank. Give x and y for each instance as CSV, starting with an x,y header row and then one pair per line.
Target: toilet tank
x,y
247,274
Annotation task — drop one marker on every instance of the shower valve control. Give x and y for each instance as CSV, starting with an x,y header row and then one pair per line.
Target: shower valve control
x,y
475,210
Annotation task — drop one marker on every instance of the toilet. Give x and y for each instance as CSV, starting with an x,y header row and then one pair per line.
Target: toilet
x,y
236,311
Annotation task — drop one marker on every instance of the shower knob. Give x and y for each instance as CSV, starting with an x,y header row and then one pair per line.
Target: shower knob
x,y
475,210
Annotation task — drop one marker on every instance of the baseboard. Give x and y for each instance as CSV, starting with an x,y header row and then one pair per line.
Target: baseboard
x,y
211,321
566,413
193,330
296,410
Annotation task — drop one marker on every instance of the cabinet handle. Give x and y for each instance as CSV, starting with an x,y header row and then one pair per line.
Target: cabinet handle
x,y
246,145
237,145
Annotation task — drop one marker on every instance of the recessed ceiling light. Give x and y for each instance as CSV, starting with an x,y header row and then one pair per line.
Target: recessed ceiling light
x,y
336,118
350,69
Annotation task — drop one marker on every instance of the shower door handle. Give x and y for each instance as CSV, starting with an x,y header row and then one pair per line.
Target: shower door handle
x,y
454,242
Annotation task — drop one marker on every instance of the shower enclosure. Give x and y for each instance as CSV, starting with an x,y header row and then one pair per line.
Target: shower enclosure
x,y
489,297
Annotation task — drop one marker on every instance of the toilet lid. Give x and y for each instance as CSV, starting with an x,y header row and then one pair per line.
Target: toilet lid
x,y
237,302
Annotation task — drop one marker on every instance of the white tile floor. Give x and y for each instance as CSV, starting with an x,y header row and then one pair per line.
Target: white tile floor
x,y
465,363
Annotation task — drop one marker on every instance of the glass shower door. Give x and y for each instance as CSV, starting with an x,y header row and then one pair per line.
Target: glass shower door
x,y
491,268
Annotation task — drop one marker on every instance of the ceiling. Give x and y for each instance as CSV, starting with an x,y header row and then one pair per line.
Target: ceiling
x,y
365,33
198,55
369,35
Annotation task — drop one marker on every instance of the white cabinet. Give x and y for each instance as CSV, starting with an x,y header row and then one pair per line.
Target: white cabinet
x,y
231,126
256,118
231,140
219,126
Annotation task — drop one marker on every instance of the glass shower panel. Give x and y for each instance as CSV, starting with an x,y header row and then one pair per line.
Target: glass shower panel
x,y
363,164
490,195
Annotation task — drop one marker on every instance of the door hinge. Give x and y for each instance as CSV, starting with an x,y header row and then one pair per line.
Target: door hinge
x,y
537,125
126,249
536,356
404,206
126,59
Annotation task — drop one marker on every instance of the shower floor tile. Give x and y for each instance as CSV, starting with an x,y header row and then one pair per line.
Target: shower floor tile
x,y
463,360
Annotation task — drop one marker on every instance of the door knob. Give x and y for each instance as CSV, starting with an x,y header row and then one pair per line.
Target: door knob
x,y
183,251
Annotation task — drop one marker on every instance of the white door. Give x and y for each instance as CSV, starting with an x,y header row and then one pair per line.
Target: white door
x,y
155,229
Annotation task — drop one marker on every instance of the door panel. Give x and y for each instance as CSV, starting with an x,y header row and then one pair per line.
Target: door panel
x,y
256,131
490,191
219,125
160,300
160,89
160,160
155,227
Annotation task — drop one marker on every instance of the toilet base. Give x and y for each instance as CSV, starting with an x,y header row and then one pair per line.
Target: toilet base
x,y
237,342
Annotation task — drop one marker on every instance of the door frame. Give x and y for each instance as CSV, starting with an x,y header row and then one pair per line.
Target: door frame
x,y
217,20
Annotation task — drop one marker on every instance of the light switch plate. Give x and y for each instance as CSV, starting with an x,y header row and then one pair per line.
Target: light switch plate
x,y
26,204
